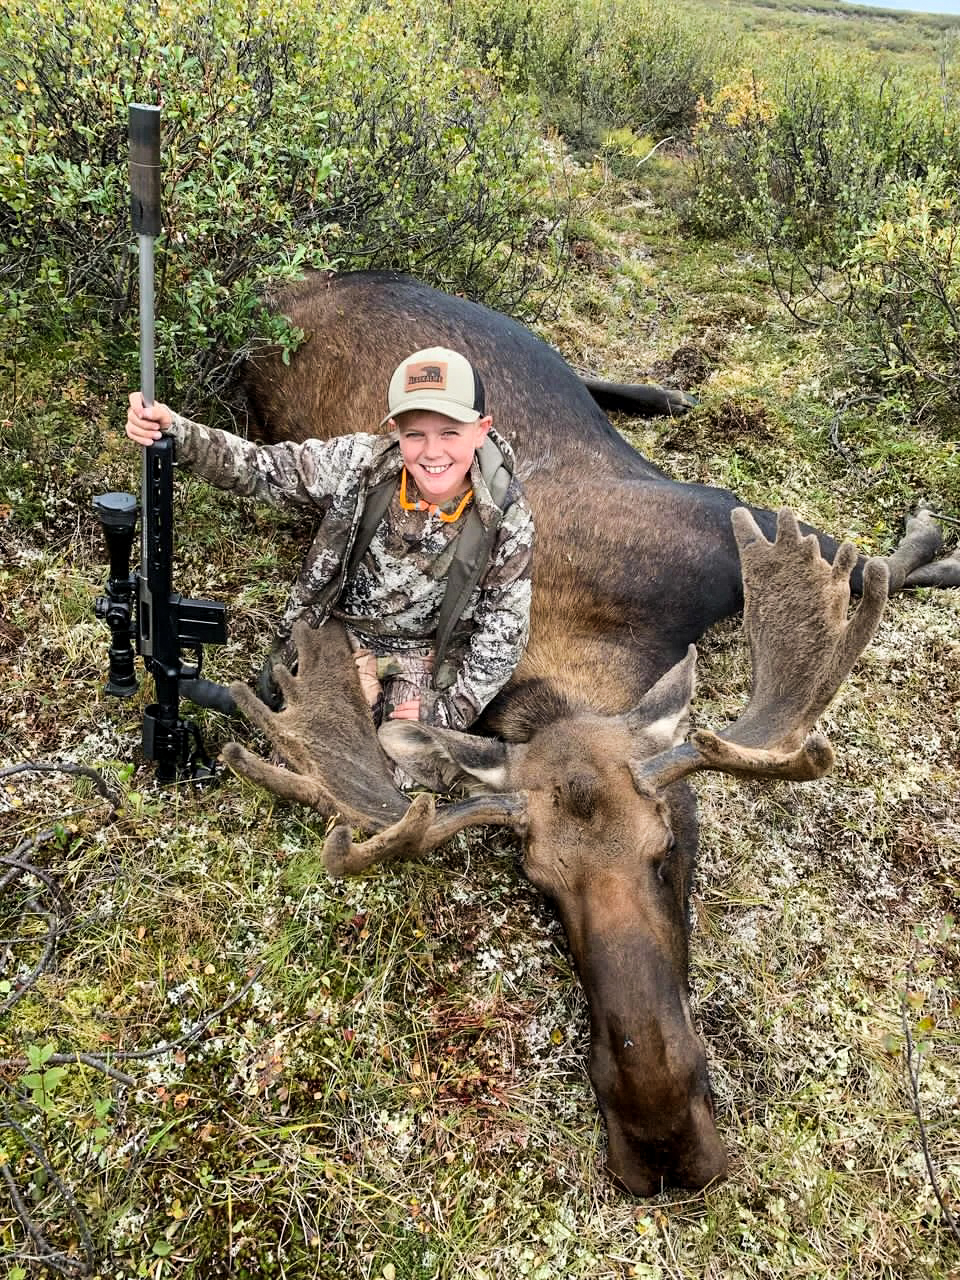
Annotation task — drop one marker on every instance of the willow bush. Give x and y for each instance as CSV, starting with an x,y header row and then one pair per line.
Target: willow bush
x,y
904,277
597,63
847,182
293,136
801,157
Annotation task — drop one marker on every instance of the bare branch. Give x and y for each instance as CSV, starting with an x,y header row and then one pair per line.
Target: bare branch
x,y
64,766
53,1259
54,928
55,924
913,1075
139,1055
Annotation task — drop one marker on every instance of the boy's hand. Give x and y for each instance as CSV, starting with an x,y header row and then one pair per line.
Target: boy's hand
x,y
406,710
146,425
367,671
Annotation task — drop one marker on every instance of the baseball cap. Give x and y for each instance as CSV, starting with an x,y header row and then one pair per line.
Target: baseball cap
x,y
439,380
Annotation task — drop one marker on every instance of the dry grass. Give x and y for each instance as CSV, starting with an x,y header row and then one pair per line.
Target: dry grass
x,y
401,1092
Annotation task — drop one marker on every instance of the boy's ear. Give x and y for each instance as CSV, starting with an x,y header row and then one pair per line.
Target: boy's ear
x,y
484,424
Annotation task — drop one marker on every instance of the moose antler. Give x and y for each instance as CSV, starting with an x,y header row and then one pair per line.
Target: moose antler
x,y
326,734
422,828
802,645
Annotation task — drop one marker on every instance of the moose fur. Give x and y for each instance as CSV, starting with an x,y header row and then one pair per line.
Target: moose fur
x,y
585,752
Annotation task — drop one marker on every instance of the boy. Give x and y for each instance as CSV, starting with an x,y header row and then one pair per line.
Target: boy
x,y
424,545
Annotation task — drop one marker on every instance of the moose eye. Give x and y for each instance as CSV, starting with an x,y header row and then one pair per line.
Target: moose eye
x,y
664,861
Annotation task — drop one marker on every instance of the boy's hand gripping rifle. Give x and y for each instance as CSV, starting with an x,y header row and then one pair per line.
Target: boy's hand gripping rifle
x,y
143,607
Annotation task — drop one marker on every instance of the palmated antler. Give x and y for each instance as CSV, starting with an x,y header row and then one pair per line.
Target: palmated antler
x,y
326,734
802,645
422,828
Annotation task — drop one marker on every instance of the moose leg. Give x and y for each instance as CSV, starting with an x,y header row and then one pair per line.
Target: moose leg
x,y
915,550
942,573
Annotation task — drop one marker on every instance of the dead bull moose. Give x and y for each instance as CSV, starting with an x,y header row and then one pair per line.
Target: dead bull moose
x,y
588,744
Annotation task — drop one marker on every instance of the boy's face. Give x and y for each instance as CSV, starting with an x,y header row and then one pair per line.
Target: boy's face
x,y
438,451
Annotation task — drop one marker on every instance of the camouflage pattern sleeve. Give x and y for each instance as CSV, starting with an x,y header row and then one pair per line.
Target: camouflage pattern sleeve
x,y
501,626
307,474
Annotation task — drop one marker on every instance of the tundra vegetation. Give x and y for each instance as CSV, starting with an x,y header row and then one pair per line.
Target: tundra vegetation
x,y
386,1077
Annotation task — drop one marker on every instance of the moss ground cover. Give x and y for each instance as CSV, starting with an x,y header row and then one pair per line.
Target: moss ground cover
x,y
386,1078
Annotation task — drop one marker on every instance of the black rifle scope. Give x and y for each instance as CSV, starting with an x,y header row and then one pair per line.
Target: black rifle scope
x,y
117,513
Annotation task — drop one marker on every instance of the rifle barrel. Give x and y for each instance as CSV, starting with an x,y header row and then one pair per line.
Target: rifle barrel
x,y
144,126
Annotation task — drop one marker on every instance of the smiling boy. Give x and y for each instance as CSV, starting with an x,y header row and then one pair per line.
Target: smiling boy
x,y
424,545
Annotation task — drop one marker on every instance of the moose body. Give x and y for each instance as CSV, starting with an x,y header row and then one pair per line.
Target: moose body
x,y
629,563
585,751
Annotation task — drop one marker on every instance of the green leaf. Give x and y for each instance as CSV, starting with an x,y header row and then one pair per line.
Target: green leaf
x,y
37,1054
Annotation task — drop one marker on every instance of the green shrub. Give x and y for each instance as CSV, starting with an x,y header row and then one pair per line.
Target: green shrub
x,y
532,45
730,140
803,168
848,184
293,135
904,275
595,63
654,65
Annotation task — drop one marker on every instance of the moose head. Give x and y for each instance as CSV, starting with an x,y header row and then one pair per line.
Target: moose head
x,y
607,822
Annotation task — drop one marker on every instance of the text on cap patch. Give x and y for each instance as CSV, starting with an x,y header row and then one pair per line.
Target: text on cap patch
x,y
429,375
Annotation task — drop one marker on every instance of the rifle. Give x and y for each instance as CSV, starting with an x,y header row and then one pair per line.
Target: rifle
x,y
142,608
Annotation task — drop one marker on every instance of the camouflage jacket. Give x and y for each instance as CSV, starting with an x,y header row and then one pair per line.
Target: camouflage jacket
x,y
392,602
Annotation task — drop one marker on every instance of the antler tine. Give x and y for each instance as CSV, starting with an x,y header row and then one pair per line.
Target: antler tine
x,y
325,733
420,830
282,782
802,645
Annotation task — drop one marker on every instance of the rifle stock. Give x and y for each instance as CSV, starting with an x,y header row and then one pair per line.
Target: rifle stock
x,y
143,607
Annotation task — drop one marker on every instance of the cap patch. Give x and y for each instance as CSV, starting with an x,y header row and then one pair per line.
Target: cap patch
x,y
428,375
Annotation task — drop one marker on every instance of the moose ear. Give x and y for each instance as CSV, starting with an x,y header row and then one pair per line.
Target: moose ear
x,y
662,719
442,759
